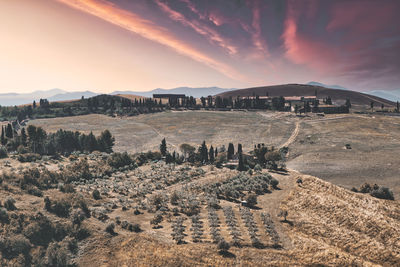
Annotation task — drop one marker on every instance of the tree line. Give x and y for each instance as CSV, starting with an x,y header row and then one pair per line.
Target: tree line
x,y
36,140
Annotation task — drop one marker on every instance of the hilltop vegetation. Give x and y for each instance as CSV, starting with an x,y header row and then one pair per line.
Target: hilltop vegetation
x,y
101,104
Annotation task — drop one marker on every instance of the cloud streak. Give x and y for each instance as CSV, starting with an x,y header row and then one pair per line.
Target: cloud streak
x,y
210,34
147,29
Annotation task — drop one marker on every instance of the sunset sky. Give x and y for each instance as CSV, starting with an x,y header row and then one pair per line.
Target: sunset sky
x,y
109,45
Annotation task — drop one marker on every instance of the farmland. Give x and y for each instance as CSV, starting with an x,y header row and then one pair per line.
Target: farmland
x,y
318,148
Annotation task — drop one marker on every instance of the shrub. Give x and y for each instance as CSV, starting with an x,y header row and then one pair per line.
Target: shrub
x,y
365,188
67,188
274,183
56,255
110,228
33,190
81,234
383,193
134,228
9,203
59,207
157,219
118,160
13,246
3,215
223,246
257,167
251,200
96,194
283,214
29,157
3,152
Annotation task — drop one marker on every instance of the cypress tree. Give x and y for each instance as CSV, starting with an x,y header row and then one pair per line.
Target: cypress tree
x,y
204,152
23,137
231,151
216,152
241,164
9,131
163,147
3,138
211,154
240,148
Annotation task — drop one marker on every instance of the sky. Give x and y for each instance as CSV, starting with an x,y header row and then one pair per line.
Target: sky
x,y
139,45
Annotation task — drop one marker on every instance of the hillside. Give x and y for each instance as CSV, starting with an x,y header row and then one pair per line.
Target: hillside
x,y
327,226
337,95
189,91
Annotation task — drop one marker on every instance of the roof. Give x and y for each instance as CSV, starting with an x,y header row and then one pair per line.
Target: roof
x,y
168,95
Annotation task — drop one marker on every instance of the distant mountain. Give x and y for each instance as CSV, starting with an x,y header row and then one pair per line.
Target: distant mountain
x,y
338,96
71,96
393,95
189,91
327,86
12,99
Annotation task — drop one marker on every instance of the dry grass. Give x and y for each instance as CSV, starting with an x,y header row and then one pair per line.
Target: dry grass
x,y
331,226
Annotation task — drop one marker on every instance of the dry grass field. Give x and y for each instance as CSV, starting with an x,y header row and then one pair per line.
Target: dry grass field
x,y
317,149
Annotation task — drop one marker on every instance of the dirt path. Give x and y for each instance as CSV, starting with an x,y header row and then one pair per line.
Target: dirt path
x,y
271,203
293,136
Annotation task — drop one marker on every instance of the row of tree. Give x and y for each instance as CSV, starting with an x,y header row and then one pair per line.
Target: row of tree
x,y
36,140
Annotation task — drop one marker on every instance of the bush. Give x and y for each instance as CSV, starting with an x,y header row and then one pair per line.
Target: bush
x,y
13,246
258,167
383,193
68,188
135,228
59,207
3,152
96,194
118,160
9,203
40,231
3,215
56,255
33,190
251,200
274,183
223,246
29,157
110,228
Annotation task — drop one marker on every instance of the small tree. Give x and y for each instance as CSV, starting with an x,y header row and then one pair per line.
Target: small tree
x,y
96,194
251,200
283,214
223,247
163,147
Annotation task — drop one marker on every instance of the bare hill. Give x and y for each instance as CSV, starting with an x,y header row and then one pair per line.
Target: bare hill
x,y
337,95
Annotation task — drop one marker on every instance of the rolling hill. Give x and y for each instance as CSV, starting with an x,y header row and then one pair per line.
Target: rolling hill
x,y
189,91
339,96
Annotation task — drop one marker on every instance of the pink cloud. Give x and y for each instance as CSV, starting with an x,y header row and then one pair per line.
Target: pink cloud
x,y
147,29
301,49
210,34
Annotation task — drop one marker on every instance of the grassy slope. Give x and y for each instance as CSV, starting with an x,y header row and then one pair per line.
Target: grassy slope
x,y
329,225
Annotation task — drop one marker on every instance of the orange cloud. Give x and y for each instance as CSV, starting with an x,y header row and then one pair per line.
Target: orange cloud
x,y
147,29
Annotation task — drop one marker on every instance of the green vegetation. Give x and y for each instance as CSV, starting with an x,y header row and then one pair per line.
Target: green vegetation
x,y
33,142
